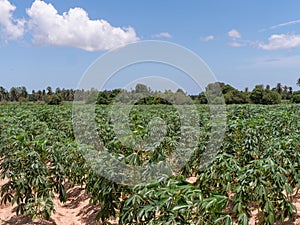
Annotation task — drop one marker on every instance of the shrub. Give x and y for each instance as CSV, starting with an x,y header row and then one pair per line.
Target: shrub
x,y
296,97
54,99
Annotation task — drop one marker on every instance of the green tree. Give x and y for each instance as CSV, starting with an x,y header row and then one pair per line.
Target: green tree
x,y
49,90
257,94
107,97
236,97
227,88
298,82
202,98
296,97
13,94
54,99
271,97
3,94
214,93
279,88
181,99
57,91
93,96
141,88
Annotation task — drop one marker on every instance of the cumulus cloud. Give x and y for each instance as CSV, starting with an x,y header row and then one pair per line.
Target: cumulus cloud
x,y
234,34
11,29
74,28
281,41
208,38
162,35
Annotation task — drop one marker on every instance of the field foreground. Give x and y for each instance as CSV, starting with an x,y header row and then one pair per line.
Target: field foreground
x,y
77,211
253,177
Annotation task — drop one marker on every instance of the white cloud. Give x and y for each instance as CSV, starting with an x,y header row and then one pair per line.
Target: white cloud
x,y
236,44
289,23
74,28
291,61
285,24
281,41
208,38
11,29
162,35
234,34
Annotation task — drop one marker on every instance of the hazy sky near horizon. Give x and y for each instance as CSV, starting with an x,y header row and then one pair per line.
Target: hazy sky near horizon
x,y
53,42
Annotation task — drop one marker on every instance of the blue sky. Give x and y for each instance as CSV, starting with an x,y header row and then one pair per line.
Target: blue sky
x,y
53,42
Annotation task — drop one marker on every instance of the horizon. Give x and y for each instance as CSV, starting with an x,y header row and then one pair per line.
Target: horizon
x,y
131,88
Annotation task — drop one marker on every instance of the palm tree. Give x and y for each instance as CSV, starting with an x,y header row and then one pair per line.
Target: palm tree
x,y
49,90
298,82
279,88
13,93
24,92
2,93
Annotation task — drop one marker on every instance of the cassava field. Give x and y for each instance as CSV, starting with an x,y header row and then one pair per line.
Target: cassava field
x,y
255,175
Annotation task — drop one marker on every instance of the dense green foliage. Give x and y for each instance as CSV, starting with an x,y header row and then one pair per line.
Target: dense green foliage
x,y
38,154
256,168
259,95
296,97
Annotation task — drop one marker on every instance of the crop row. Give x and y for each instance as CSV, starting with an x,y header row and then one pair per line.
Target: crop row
x,y
254,167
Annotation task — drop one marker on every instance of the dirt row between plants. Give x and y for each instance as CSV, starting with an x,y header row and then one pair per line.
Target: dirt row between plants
x,y
78,211
75,211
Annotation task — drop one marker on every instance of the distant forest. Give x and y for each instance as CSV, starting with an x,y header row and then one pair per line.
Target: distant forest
x,y
259,95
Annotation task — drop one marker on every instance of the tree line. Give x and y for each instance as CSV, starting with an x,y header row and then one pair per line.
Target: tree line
x,y
20,94
259,95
